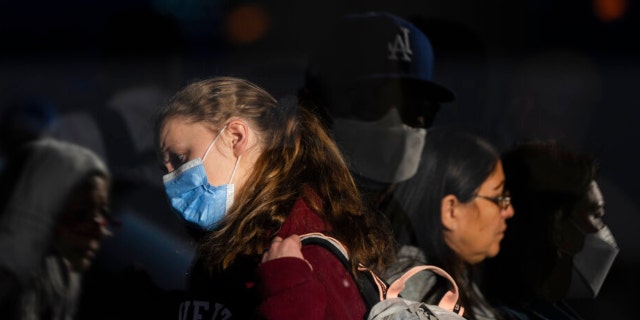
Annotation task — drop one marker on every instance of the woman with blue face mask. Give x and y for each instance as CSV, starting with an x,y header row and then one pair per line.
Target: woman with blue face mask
x,y
252,173
558,246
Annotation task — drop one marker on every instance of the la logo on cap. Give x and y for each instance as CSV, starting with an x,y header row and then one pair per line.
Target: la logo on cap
x,y
401,45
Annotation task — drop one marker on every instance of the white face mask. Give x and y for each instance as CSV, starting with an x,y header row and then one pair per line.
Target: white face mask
x,y
386,150
592,263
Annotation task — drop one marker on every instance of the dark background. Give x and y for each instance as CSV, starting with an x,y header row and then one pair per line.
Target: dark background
x,y
560,69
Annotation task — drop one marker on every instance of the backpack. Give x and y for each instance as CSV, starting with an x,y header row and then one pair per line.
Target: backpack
x,y
383,300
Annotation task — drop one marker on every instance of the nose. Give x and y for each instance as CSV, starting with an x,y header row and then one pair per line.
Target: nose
x,y
96,227
102,225
508,212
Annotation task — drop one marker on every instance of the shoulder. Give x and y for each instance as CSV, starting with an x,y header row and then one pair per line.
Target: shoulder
x,y
418,285
321,256
406,257
302,220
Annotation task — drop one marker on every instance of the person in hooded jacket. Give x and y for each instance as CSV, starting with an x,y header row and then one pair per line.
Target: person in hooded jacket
x,y
54,210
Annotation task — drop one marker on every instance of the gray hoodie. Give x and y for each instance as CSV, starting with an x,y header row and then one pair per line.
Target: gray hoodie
x,y
50,172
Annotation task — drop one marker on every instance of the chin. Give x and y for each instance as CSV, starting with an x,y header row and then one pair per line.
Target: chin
x,y
493,252
81,265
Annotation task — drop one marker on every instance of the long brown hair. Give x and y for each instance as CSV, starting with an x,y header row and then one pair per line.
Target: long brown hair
x,y
298,160
453,162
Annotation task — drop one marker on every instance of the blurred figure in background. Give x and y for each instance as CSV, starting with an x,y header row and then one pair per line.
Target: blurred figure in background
x,y
558,246
54,208
458,205
371,79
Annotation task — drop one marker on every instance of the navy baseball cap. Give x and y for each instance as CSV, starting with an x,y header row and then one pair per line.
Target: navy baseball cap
x,y
376,46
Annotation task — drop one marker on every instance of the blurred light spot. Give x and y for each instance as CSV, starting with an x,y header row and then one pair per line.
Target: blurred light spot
x,y
609,10
247,23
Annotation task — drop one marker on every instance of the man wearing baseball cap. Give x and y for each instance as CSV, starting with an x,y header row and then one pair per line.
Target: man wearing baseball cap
x,y
371,81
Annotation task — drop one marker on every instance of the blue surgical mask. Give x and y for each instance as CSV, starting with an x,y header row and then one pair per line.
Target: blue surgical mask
x,y
193,198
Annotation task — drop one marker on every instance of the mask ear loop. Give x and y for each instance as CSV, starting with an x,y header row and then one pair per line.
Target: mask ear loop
x,y
212,143
233,173
235,167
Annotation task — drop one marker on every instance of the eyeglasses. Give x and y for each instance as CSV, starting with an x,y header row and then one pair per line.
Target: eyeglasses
x,y
503,201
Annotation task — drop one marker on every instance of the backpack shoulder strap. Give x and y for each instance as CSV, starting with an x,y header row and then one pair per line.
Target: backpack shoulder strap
x,y
328,243
449,301
371,287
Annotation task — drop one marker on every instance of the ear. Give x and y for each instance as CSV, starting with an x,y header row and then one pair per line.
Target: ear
x,y
239,132
448,215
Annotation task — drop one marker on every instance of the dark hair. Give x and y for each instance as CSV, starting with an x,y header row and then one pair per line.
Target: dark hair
x,y
299,159
456,163
546,182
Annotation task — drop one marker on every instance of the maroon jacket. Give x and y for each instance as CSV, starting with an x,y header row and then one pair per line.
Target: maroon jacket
x,y
284,288
290,290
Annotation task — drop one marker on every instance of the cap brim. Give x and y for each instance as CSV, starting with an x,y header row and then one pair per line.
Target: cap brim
x,y
437,92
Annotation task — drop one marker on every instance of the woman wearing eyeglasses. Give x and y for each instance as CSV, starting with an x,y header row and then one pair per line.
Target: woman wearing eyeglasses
x,y
458,207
